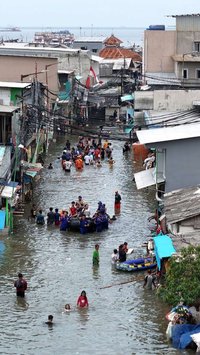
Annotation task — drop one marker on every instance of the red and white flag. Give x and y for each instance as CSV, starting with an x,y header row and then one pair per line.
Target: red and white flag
x,y
91,74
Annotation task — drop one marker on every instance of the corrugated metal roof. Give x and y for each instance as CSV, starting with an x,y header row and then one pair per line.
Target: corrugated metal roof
x,y
162,79
8,109
182,204
169,133
122,63
7,84
167,118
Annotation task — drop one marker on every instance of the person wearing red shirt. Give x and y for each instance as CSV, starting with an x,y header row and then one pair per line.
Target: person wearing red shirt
x,y
73,210
82,301
21,285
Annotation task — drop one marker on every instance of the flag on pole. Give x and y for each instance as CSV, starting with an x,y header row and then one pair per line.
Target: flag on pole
x,y
92,74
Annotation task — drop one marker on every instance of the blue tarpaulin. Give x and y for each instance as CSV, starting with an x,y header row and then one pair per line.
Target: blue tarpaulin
x,y
2,219
181,334
163,247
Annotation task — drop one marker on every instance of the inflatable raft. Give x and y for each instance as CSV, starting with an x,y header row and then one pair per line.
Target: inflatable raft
x,y
74,225
136,265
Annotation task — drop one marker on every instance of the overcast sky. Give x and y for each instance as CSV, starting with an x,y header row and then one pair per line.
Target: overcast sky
x,y
100,13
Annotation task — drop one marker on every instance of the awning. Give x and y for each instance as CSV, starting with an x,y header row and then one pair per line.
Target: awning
x,y
8,191
10,184
163,247
128,129
147,178
8,109
31,173
33,168
127,98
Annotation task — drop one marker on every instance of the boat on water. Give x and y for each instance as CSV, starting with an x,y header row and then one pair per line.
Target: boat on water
x,y
54,38
74,225
139,264
10,29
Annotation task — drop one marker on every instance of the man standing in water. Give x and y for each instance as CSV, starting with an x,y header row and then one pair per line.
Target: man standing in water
x,y
95,257
117,202
21,285
149,281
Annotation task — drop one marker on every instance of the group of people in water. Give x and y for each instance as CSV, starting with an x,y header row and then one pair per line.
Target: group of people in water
x,y
87,152
119,255
21,286
78,214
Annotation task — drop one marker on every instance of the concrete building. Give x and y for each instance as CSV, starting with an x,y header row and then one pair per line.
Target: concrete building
x,y
177,153
171,61
76,60
93,44
174,54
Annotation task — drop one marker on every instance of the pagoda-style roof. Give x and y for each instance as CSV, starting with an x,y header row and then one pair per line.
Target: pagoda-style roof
x,y
112,41
118,52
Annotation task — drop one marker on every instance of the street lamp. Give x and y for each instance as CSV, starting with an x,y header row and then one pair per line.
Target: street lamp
x,y
192,54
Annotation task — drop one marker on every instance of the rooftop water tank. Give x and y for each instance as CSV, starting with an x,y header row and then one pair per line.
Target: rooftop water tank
x,y
156,28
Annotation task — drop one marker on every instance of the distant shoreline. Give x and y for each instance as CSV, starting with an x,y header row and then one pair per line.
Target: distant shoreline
x,y
86,28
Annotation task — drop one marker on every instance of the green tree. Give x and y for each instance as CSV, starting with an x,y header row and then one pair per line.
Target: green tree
x,y
183,278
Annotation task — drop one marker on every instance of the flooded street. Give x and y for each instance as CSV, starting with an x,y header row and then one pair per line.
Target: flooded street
x,y
120,320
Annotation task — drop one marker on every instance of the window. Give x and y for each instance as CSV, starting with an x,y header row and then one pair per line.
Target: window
x,y
197,46
185,73
94,50
197,73
84,48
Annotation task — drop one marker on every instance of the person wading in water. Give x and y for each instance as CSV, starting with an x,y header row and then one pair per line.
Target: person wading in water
x,y
21,285
117,202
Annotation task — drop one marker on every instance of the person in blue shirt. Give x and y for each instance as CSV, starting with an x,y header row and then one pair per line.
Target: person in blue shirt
x,y
83,225
64,225
40,218
57,217
98,222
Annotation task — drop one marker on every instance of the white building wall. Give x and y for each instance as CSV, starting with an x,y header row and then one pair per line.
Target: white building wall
x,y
175,100
4,96
166,100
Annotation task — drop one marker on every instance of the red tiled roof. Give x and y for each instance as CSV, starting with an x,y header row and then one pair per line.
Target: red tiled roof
x,y
116,52
112,41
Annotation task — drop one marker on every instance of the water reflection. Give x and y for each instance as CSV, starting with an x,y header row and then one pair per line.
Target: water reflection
x,y
95,269
83,317
21,304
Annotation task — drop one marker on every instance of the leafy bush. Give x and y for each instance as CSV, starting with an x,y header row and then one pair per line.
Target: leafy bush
x,y
183,278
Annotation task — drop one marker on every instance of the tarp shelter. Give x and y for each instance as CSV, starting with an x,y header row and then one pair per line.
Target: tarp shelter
x,y
163,248
128,97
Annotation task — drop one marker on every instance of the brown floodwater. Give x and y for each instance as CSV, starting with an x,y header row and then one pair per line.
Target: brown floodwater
x,y
123,319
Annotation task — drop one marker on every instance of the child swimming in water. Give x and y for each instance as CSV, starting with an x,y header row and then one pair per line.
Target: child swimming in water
x,y
67,308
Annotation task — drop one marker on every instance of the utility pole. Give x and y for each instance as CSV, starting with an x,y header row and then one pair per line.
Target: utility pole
x,y
122,77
